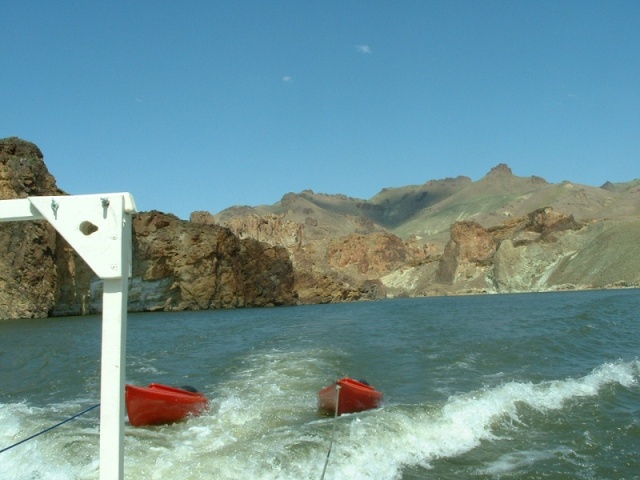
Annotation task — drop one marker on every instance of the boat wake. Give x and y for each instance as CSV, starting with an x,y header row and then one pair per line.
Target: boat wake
x,y
262,425
261,432
416,435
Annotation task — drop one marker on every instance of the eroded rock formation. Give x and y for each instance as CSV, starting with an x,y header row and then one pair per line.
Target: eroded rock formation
x,y
445,237
205,266
492,259
177,265
27,263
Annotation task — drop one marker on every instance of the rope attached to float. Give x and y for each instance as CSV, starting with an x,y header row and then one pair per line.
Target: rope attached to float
x,y
50,428
333,433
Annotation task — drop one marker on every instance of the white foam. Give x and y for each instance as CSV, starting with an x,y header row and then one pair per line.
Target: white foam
x,y
515,460
46,456
379,445
262,425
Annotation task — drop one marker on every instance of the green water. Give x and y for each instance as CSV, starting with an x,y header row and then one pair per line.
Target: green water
x,y
504,386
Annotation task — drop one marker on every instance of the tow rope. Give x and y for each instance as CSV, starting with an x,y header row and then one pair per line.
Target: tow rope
x,y
333,433
50,428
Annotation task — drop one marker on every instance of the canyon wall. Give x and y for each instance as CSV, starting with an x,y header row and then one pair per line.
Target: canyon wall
x,y
501,234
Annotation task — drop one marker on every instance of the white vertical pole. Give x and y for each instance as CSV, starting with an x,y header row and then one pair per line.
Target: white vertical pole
x,y
114,335
98,227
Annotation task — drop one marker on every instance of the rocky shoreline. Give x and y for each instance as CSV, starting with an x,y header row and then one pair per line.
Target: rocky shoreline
x,y
314,248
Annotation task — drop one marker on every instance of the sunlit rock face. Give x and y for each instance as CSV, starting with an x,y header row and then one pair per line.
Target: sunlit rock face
x,y
500,234
27,249
181,265
177,265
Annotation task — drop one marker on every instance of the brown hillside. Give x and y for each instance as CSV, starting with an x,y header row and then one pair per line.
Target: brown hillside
x,y
423,218
502,233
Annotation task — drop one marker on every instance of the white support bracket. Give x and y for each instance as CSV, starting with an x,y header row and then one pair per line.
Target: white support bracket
x,y
98,227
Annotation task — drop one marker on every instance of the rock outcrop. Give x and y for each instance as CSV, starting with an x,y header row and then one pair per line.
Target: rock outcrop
x,y
205,266
27,249
478,259
331,263
177,265
500,234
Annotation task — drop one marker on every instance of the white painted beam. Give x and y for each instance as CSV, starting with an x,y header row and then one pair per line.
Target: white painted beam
x,y
18,210
98,227
92,224
112,378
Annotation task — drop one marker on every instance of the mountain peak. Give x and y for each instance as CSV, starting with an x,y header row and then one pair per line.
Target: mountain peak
x,y
501,169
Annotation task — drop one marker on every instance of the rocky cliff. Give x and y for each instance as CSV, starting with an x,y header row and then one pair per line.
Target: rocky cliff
x,y
177,265
199,267
500,234
27,249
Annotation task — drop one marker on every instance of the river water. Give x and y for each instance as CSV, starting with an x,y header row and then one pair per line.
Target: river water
x,y
526,386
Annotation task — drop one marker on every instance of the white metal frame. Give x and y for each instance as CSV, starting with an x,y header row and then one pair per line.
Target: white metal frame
x,y
98,227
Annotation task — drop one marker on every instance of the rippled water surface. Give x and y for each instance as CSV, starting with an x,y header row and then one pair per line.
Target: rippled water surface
x,y
502,386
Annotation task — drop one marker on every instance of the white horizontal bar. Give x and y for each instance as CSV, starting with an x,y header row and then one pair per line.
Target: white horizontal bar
x,y
17,210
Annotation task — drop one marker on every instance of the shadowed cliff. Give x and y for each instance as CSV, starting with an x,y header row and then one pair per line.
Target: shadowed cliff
x,y
177,265
502,233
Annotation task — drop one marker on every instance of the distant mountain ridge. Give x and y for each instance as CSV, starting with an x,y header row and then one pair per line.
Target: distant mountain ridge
x,y
500,234
429,209
421,217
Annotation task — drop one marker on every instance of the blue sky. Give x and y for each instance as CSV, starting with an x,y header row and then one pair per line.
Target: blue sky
x,y
201,105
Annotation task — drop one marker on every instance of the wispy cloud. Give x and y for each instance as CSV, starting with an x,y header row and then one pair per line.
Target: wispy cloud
x,y
364,49
287,79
